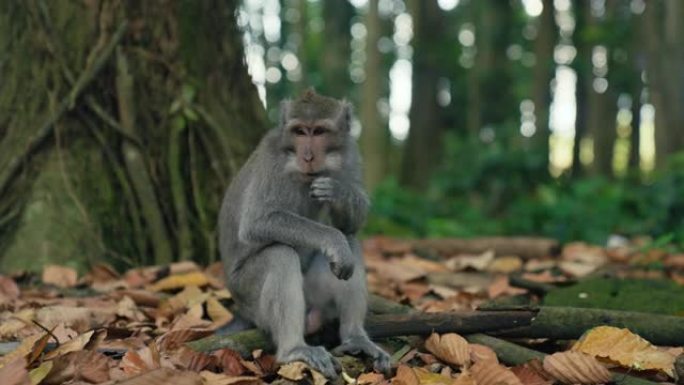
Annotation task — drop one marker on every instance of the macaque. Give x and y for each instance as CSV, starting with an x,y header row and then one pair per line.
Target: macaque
x,y
287,234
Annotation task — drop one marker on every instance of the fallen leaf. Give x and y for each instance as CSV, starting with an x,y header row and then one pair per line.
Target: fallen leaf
x,y
405,376
230,361
476,262
73,345
15,373
187,298
505,265
186,358
127,308
179,281
164,376
210,378
625,348
60,276
11,323
532,373
23,350
576,368
426,377
176,338
9,289
84,365
501,286
464,379
217,312
295,371
492,373
38,374
482,353
370,378
140,361
450,348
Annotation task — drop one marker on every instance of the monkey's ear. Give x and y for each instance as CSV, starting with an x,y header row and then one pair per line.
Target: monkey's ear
x,y
285,109
345,116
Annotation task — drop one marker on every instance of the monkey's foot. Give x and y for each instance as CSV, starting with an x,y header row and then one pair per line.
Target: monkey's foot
x,y
316,357
361,344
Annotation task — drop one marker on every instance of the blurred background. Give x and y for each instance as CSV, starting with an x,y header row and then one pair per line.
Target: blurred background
x,y
121,123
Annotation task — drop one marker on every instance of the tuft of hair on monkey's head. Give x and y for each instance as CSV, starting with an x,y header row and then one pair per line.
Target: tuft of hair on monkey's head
x,y
313,106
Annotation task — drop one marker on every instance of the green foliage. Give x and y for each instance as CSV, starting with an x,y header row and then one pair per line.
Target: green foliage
x,y
488,189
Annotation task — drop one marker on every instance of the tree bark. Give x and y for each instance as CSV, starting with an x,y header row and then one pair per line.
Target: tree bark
x,y
120,134
374,132
423,147
543,74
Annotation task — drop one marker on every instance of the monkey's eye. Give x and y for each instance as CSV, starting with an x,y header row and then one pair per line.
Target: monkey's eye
x,y
298,130
319,130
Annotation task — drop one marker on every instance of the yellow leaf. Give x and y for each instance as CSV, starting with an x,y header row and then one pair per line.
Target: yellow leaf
x,y
38,374
60,276
217,312
426,377
195,278
621,346
450,348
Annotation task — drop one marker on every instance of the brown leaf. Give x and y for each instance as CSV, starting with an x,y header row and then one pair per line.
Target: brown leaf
x,y
9,289
223,379
625,348
491,373
532,373
230,361
11,323
60,276
465,378
482,353
15,373
127,308
186,358
23,350
80,319
164,376
370,378
477,262
501,286
140,361
450,348
405,376
295,371
576,368
176,338
73,345
82,365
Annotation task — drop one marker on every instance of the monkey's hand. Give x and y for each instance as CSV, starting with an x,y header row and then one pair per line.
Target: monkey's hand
x,y
341,259
325,189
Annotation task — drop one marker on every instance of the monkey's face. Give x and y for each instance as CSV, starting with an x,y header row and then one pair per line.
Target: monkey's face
x,y
314,147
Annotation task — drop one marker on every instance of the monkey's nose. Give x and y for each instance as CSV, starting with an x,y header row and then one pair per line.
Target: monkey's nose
x,y
308,158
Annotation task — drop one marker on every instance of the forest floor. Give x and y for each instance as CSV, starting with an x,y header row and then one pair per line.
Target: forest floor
x,y
452,312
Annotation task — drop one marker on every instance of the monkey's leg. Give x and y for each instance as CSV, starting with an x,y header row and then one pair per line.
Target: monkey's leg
x,y
350,301
270,291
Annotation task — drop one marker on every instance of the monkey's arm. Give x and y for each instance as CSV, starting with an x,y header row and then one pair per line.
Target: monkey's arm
x,y
288,228
348,202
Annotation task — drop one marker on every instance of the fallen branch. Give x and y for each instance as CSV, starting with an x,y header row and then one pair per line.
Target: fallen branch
x,y
524,247
564,323
512,354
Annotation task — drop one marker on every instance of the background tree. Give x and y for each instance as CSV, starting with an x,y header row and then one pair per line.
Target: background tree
x,y
135,115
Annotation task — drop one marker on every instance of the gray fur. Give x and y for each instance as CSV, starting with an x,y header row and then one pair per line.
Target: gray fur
x,y
288,244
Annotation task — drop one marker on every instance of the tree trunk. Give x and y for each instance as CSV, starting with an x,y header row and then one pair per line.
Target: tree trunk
x,y
543,73
148,145
374,133
665,70
337,48
423,150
